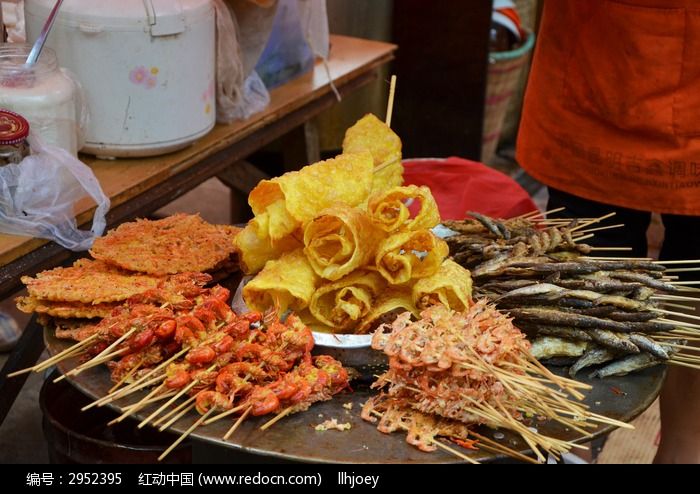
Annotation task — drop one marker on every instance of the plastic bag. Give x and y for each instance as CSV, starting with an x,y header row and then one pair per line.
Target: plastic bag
x,y
287,54
38,195
237,96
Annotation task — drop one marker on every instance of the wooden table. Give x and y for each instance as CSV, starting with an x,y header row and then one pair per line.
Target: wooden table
x,y
137,187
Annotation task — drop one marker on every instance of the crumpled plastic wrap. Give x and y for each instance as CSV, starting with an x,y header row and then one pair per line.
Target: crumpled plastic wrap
x,y
38,197
238,95
243,28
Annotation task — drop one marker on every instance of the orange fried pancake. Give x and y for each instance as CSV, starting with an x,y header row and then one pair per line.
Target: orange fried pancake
x,y
65,310
89,282
176,244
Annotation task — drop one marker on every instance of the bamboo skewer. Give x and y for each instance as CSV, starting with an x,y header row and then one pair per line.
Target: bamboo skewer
x,y
227,413
276,418
116,342
679,314
93,362
453,451
174,411
675,297
136,385
601,228
118,396
67,353
597,220
167,404
386,164
390,104
674,336
173,399
126,377
682,347
185,434
237,424
684,325
500,448
537,212
39,368
678,306
611,249
149,401
584,237
137,406
684,364
100,358
177,417
606,258
684,261
691,359
682,270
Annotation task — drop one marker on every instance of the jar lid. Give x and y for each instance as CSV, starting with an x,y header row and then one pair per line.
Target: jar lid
x,y
14,128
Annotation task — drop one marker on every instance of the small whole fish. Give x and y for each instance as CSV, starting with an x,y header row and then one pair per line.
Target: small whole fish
x,y
533,290
649,345
619,342
628,364
645,280
491,225
558,331
594,356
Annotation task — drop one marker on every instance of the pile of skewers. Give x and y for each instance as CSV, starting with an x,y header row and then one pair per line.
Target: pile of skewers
x,y
450,371
199,349
590,310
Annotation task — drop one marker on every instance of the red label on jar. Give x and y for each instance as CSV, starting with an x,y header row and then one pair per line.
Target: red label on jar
x,y
13,128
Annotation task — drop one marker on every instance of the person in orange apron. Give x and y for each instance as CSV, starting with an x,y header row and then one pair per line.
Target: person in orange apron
x,y
611,122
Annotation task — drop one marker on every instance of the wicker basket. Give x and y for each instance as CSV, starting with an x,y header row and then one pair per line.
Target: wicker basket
x,y
502,81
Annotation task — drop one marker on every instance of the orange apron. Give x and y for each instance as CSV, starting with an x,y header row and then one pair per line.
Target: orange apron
x,y
612,109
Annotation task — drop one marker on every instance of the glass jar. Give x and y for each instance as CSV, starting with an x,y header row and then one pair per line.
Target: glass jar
x,y
43,93
14,130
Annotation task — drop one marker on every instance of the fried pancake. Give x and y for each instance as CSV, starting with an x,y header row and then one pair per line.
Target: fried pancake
x,y
176,244
64,310
89,282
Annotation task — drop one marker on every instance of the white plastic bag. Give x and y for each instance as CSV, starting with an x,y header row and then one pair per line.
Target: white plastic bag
x,y
238,96
38,195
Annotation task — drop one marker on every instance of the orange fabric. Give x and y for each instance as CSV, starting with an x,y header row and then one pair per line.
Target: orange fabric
x,y
612,109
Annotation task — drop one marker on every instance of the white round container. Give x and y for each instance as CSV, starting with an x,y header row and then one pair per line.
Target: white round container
x,y
147,68
43,94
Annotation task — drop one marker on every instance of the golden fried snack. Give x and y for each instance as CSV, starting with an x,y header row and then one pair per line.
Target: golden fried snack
x,y
373,135
175,244
451,286
407,255
89,282
64,310
389,212
342,305
283,204
340,240
393,300
254,252
284,283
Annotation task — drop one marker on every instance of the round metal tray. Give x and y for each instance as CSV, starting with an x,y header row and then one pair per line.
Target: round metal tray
x,y
294,438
